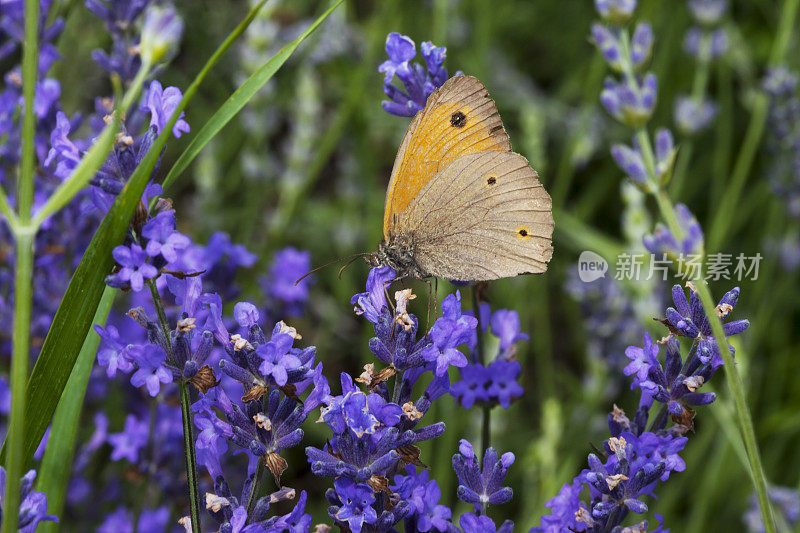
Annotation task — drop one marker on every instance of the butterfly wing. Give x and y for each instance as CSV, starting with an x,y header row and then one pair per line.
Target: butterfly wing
x,y
459,118
485,216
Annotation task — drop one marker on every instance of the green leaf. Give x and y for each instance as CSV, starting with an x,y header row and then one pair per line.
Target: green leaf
x,y
239,99
56,468
78,307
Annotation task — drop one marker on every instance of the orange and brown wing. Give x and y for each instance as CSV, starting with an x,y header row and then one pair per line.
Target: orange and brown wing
x,y
459,118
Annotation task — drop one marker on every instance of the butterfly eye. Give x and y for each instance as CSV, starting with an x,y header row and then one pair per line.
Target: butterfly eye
x,y
458,119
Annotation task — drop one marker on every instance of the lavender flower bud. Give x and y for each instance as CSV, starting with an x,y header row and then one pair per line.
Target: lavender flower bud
x,y
616,12
692,116
161,33
641,45
630,161
708,12
608,44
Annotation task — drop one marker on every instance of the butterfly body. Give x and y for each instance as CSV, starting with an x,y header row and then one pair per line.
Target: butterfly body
x,y
460,204
398,253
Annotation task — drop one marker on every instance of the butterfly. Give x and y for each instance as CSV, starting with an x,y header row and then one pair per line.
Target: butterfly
x,y
460,204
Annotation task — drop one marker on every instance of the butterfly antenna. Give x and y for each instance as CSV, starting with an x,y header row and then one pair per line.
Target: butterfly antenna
x,y
347,265
352,257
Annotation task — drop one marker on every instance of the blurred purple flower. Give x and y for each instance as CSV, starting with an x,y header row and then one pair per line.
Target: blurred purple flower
x,y
127,443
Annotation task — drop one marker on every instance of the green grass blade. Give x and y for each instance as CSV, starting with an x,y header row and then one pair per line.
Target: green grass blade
x,y
56,468
77,309
239,99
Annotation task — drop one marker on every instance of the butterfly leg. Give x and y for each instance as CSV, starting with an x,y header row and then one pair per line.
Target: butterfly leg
x,y
428,313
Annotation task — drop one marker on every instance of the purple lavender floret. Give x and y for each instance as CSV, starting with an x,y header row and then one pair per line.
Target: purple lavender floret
x,y
134,268
480,485
692,116
483,524
161,103
419,81
152,372
449,331
33,504
259,429
113,354
355,504
252,359
127,443
630,103
162,238
615,11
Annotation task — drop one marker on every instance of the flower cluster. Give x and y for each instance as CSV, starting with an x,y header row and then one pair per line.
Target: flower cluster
x,y
33,506
632,98
419,81
376,431
637,457
687,319
495,382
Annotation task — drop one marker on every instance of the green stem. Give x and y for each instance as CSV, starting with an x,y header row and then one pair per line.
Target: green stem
x,y
736,388
23,277
255,488
191,461
186,416
486,417
5,210
30,65
668,213
162,316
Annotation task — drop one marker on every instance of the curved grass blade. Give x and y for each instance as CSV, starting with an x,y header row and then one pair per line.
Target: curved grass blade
x,y
74,315
239,99
56,468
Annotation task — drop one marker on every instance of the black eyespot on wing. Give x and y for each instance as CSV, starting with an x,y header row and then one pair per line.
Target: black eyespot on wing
x,y
458,119
523,232
491,181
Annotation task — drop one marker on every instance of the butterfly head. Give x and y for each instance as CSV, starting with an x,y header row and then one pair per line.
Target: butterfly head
x,y
397,253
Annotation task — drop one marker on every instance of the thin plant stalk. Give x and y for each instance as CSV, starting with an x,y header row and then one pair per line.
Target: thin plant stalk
x,y
23,274
486,410
23,284
186,416
742,413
